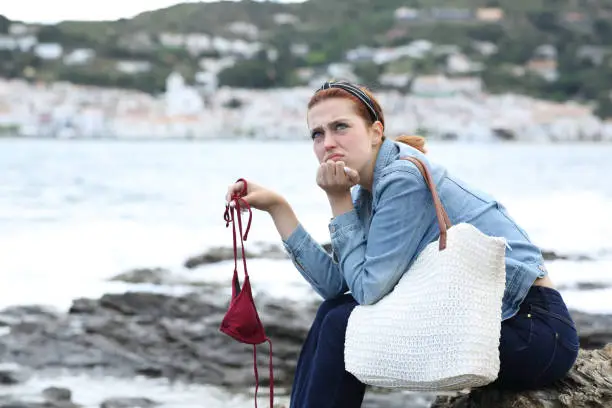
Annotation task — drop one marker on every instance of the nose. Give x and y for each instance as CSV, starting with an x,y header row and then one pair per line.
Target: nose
x,y
329,142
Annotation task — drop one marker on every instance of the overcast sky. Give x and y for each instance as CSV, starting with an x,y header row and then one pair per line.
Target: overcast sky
x,y
53,11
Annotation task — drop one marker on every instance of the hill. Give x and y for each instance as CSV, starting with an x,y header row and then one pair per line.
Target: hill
x,y
557,49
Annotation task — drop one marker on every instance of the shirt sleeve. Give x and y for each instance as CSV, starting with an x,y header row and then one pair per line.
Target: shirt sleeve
x,y
315,264
373,264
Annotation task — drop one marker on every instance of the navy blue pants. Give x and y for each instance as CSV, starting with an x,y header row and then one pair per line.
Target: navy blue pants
x,y
538,346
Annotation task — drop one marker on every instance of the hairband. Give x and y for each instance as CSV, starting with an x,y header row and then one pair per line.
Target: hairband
x,y
355,91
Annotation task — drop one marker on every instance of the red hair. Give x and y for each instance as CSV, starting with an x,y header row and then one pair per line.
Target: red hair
x,y
418,142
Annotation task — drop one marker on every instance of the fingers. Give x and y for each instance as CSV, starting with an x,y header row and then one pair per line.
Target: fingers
x,y
352,174
233,189
326,173
330,172
336,175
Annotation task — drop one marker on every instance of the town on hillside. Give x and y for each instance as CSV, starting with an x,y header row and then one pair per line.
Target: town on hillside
x,y
243,82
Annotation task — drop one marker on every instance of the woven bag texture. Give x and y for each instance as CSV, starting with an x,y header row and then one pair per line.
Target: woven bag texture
x,y
439,328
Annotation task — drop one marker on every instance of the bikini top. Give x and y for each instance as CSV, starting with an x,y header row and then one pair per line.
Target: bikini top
x,y
241,321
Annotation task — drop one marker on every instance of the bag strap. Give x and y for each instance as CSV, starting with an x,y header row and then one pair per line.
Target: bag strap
x,y
443,220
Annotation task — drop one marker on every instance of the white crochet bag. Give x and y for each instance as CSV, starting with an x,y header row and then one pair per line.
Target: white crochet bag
x,y
439,328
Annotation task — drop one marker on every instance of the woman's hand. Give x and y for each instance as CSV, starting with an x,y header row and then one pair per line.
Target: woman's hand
x,y
335,178
256,196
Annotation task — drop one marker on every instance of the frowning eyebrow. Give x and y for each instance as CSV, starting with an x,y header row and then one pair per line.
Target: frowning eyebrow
x,y
330,124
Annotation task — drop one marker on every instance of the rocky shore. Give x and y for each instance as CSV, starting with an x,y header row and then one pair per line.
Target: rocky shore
x,y
156,335
177,338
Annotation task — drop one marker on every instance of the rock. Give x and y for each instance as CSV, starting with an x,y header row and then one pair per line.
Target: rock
x,y
595,330
212,256
20,404
504,134
155,276
220,254
160,276
178,338
375,398
553,256
54,397
584,286
160,336
128,403
11,374
588,384
57,395
26,314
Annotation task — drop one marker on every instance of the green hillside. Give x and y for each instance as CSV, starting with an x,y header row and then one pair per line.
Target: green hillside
x,y
330,28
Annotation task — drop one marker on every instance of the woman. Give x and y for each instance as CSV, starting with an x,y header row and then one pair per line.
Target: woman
x,y
377,230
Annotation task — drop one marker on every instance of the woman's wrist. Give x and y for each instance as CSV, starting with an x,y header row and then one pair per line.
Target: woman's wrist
x,y
340,203
284,218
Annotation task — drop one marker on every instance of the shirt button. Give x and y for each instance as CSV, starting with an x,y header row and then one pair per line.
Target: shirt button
x,y
332,228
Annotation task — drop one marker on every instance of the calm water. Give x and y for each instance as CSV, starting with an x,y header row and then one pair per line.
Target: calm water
x,y
74,213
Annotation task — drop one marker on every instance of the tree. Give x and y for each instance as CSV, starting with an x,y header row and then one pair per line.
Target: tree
x,y
5,23
604,106
603,30
249,74
368,72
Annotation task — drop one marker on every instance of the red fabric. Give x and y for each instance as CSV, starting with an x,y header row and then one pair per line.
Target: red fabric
x,y
241,321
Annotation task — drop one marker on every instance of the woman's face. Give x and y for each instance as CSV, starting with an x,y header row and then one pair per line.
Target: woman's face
x,y
340,134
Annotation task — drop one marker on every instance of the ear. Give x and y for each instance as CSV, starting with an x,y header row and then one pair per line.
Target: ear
x,y
378,131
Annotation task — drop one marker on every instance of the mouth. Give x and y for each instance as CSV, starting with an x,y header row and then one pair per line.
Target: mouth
x,y
334,157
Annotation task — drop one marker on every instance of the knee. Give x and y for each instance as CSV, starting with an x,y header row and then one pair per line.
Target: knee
x,y
329,305
335,322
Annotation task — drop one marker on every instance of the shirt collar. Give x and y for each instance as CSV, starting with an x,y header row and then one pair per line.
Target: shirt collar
x,y
386,155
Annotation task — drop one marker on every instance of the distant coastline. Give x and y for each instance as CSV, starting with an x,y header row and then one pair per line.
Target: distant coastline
x,y
63,110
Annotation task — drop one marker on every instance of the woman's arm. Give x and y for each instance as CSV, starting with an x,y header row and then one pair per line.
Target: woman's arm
x,y
308,256
373,264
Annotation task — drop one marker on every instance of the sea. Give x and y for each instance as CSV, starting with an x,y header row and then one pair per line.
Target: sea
x,y
74,213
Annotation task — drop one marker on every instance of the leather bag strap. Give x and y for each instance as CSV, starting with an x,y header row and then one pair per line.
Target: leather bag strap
x,y
443,220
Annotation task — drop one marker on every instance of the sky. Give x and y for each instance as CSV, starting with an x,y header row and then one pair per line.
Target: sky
x,y
53,11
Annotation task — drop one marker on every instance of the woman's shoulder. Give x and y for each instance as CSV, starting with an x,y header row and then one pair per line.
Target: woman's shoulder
x,y
398,170
401,162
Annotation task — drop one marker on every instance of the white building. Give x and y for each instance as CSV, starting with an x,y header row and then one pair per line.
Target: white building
x,y
461,64
133,67
18,29
7,42
216,65
198,43
48,51
286,18
26,43
181,99
395,80
207,82
406,14
245,29
300,50
172,40
80,56
440,85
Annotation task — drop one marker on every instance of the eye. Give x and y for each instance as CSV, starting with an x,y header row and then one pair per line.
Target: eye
x,y
341,126
316,134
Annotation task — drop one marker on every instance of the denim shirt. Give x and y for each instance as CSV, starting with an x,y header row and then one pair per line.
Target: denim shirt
x,y
377,241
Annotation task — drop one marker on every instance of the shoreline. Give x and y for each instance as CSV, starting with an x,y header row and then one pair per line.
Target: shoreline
x,y
238,139
163,349
69,111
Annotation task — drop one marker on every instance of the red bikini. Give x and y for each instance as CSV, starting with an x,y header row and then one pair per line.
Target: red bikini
x,y
241,320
